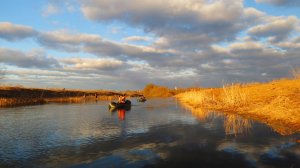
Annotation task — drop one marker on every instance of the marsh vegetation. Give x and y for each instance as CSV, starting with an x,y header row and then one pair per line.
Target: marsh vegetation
x,y
18,95
276,103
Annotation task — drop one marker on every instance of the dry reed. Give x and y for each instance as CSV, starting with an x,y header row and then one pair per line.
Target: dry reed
x,y
10,102
274,103
234,95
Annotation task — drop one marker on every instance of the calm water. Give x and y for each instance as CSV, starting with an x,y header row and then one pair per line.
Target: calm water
x,y
158,133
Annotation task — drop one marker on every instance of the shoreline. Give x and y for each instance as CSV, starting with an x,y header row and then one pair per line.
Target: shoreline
x,y
19,96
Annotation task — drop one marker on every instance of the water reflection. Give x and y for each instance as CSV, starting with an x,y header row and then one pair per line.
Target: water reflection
x,y
156,133
121,114
233,124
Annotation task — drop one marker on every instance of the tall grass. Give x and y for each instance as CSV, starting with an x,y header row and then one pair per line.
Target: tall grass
x,y
276,103
278,108
10,102
198,98
230,97
234,95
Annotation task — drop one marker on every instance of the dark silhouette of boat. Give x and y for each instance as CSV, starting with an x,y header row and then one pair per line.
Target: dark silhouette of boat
x,y
114,105
141,99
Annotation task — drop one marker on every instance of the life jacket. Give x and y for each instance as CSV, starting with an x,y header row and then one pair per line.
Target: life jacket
x,y
123,99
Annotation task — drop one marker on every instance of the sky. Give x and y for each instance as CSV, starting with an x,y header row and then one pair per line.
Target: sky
x,y
126,44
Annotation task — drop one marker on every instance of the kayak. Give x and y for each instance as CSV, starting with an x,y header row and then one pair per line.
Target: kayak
x,y
115,105
141,99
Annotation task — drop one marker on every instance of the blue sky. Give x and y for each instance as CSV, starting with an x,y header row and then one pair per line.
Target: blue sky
x,y
120,45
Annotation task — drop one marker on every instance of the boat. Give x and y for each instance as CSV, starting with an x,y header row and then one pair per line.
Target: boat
x,y
141,99
115,105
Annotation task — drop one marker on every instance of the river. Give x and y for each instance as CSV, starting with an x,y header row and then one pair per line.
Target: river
x,y
157,133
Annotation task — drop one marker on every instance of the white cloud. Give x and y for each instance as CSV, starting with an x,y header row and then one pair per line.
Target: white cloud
x,y
33,59
91,63
66,40
278,29
253,13
289,45
137,39
14,32
184,23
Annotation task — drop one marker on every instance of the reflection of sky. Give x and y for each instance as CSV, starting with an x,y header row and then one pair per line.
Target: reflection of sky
x,y
88,135
258,153
30,130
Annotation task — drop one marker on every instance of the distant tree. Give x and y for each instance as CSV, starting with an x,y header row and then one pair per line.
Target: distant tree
x,y
152,90
148,88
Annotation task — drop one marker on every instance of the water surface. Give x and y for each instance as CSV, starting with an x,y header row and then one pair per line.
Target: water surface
x,y
157,133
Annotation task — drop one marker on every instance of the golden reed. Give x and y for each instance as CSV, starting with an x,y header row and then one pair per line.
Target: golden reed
x,y
276,103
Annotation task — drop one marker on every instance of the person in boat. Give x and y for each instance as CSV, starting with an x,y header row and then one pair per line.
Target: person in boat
x,y
142,98
122,99
119,99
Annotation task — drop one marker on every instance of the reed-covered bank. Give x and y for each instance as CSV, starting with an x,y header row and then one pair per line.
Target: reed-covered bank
x,y
19,96
276,103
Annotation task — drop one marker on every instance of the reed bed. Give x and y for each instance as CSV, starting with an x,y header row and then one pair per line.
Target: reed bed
x,y
234,95
276,103
18,96
11,102
198,98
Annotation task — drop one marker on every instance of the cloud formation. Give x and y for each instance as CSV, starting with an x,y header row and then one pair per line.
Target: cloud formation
x,y
13,32
184,42
66,41
33,59
184,24
92,64
136,39
277,30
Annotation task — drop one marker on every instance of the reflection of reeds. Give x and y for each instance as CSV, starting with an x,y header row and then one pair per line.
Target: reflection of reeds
x,y
234,124
199,113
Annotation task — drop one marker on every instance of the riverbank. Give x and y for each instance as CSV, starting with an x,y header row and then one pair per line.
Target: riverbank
x,y
276,103
17,96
